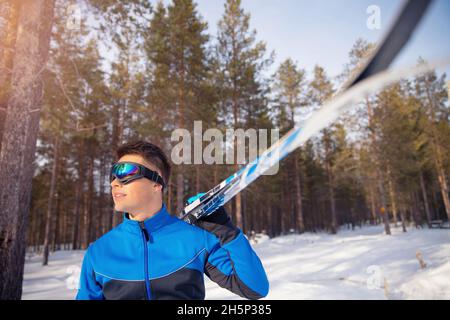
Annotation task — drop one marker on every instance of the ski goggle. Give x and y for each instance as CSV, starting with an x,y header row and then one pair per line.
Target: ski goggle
x,y
125,172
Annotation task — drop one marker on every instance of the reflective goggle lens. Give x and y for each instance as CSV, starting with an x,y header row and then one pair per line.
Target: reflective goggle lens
x,y
124,170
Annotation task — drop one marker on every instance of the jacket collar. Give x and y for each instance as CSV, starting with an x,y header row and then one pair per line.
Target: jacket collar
x,y
158,220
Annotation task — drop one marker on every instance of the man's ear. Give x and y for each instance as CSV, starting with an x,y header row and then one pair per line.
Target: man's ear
x,y
158,186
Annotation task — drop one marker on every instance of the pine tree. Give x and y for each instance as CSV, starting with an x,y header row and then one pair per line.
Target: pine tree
x,y
359,53
290,88
395,130
19,139
432,94
176,49
240,60
321,91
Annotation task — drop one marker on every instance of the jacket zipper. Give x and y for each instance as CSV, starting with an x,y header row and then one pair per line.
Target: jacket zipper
x,y
145,238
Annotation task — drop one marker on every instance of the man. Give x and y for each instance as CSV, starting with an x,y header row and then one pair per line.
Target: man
x,y
154,255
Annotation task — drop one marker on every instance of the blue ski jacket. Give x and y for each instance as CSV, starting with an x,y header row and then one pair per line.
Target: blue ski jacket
x,y
164,257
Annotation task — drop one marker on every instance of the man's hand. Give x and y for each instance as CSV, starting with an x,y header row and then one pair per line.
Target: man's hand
x,y
217,222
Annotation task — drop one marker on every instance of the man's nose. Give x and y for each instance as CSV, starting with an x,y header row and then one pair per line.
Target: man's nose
x,y
115,182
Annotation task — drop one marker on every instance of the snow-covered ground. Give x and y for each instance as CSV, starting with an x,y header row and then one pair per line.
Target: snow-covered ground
x,y
360,264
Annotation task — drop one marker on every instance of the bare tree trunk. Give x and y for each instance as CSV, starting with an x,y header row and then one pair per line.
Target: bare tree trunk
x,y
238,197
323,215
41,228
298,197
37,233
101,204
51,198
19,140
315,221
415,209
383,212
332,202
442,182
180,173
111,213
88,214
215,178
438,159
79,189
8,41
117,136
435,203
85,225
373,208
76,218
238,211
269,218
291,210
248,221
56,241
329,171
352,217
393,199
258,215
282,211
64,231
378,173
402,216
425,199
109,205
180,189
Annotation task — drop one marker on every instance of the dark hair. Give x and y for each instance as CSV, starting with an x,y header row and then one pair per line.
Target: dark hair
x,y
150,152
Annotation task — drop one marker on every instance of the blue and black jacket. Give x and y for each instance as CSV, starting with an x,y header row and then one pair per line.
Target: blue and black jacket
x,y
164,257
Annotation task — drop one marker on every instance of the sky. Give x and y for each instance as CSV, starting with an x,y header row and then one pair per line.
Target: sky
x,y
323,31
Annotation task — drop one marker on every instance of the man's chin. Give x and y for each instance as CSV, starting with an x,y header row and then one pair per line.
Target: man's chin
x,y
120,208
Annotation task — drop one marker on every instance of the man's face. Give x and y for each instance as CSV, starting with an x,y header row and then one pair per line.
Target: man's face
x,y
139,195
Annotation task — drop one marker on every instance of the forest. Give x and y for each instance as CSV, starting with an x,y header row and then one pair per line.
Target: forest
x,y
119,71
